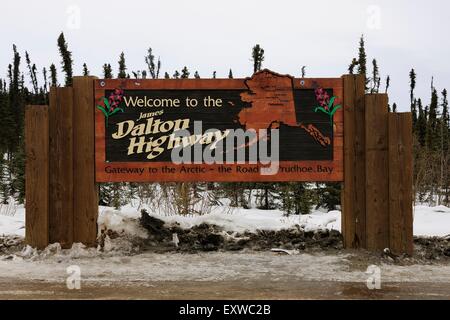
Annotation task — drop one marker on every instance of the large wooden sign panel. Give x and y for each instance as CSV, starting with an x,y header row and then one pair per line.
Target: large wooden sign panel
x,y
293,126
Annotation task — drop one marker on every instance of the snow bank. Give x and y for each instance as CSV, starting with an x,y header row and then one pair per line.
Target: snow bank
x,y
120,222
241,220
428,221
431,221
13,225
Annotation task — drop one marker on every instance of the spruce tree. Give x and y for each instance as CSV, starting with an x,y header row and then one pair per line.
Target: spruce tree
x,y
196,75
445,117
230,74
432,130
214,74
388,84
412,86
104,195
235,192
136,74
257,57
85,70
16,98
303,71
295,197
15,73
394,107
32,72
166,75
153,68
362,60
67,62
176,74
375,77
107,71
53,76
13,152
185,73
266,196
18,171
117,195
445,149
158,69
421,123
122,67
150,61
329,196
44,74
7,135
352,66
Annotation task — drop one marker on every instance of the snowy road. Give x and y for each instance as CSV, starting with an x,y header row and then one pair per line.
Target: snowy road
x,y
221,275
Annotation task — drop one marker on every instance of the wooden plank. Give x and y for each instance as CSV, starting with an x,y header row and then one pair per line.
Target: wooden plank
x,y
193,84
61,164
400,183
353,195
85,191
37,187
377,172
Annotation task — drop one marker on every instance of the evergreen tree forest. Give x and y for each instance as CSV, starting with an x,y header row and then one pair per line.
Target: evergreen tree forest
x,y
26,83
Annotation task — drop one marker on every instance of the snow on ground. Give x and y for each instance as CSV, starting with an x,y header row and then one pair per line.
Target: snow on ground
x,y
428,221
219,266
109,266
431,221
13,225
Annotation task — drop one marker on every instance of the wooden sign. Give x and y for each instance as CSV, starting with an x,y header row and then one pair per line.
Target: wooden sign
x,y
292,126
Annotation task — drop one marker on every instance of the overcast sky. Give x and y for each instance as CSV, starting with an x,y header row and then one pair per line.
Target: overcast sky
x,y
208,35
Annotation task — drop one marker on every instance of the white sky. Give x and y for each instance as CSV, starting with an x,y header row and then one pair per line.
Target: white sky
x,y
208,35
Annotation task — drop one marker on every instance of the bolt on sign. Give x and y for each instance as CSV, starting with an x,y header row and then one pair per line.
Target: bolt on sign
x,y
269,127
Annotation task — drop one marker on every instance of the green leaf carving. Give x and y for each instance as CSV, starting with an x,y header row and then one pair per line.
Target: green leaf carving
x,y
103,110
116,111
321,109
330,104
106,102
335,109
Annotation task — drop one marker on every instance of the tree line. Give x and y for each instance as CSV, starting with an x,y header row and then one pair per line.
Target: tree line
x,y
24,84
431,132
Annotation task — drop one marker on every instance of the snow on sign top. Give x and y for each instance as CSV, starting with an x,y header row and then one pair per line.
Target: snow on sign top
x,y
269,127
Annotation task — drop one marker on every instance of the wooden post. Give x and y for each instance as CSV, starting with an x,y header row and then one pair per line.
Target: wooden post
x,y
353,195
85,191
377,172
400,183
37,191
61,164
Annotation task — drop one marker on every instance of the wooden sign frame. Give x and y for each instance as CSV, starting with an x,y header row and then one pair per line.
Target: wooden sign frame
x,y
212,174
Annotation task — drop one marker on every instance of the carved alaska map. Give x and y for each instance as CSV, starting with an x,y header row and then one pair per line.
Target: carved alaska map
x,y
271,96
